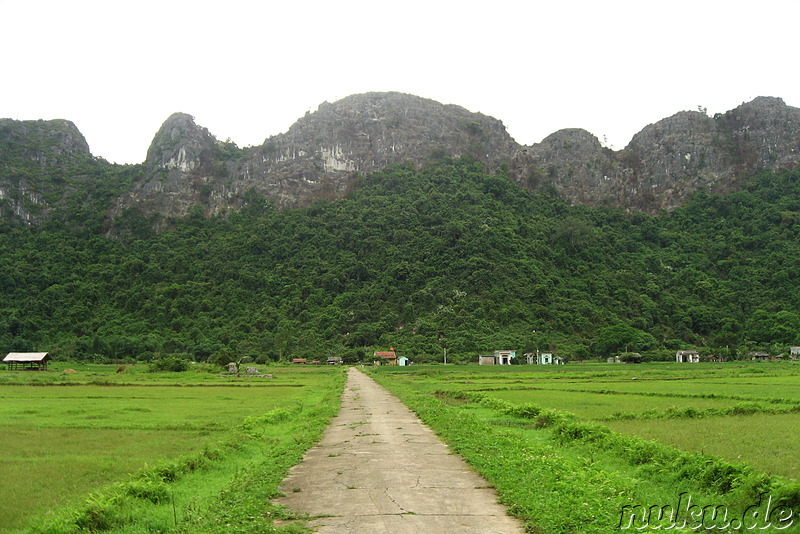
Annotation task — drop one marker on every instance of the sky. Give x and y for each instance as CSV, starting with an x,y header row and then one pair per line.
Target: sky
x,y
247,70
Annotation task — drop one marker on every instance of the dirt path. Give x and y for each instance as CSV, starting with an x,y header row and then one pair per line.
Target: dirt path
x,y
379,469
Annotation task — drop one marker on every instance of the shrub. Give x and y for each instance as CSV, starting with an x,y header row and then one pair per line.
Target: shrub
x,y
99,513
527,410
571,431
170,364
154,491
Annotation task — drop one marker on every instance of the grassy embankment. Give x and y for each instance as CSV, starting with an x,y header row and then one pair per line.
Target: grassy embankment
x,y
153,452
564,447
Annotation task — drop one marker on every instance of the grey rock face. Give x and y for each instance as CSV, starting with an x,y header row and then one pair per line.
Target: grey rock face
x,y
667,161
29,149
317,158
321,155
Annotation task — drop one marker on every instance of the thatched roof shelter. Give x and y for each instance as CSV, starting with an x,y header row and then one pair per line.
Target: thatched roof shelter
x,y
27,361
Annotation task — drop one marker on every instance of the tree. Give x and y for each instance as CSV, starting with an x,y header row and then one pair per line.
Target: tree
x,y
613,339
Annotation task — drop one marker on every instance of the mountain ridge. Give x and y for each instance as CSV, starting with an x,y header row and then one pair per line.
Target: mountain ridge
x,y
321,156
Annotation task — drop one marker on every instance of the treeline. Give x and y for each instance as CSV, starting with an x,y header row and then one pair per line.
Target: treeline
x,y
447,257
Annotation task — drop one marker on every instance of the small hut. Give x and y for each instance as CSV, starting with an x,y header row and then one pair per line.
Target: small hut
x,y
27,361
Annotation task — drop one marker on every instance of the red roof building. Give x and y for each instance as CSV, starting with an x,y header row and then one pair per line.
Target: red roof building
x,y
389,356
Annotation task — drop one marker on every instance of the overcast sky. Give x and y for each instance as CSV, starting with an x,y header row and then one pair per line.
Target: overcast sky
x,y
249,69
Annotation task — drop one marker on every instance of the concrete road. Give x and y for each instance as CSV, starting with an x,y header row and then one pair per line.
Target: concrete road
x,y
379,469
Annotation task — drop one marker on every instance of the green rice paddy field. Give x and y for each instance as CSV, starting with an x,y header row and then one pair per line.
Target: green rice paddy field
x,y
672,403
66,435
682,413
598,439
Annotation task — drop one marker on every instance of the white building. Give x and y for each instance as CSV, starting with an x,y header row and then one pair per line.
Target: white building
x,y
687,356
543,358
500,357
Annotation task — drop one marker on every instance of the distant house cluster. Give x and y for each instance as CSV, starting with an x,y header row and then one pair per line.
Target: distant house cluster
x,y
504,357
692,356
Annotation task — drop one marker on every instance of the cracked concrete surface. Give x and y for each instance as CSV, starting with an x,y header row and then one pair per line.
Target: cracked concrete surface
x,y
379,469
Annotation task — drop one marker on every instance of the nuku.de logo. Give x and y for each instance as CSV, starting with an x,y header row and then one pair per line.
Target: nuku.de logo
x,y
759,516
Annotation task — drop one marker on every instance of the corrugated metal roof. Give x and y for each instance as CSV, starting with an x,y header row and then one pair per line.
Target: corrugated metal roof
x,y
25,357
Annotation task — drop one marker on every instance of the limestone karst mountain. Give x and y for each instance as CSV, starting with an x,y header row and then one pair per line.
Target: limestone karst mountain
x,y
324,152
317,158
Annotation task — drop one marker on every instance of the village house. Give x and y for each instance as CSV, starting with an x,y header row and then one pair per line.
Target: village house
x,y
402,361
759,356
543,358
687,356
500,357
27,361
334,360
388,356
794,352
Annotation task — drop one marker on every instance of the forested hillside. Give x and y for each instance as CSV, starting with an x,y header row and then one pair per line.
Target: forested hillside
x,y
420,260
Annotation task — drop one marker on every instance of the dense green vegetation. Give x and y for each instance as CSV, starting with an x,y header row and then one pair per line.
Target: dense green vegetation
x,y
563,472
447,257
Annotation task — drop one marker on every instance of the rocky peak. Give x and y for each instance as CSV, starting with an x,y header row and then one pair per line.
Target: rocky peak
x,y
35,148
316,158
368,131
183,163
179,144
570,161
763,133
667,161
45,142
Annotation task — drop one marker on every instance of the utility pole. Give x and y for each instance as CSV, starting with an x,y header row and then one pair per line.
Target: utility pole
x,y
445,355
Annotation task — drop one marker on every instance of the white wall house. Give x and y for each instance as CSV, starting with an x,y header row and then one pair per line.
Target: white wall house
x,y
543,358
687,356
500,357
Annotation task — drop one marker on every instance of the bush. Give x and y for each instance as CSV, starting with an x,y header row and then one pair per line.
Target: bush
x,y
526,410
149,489
170,364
